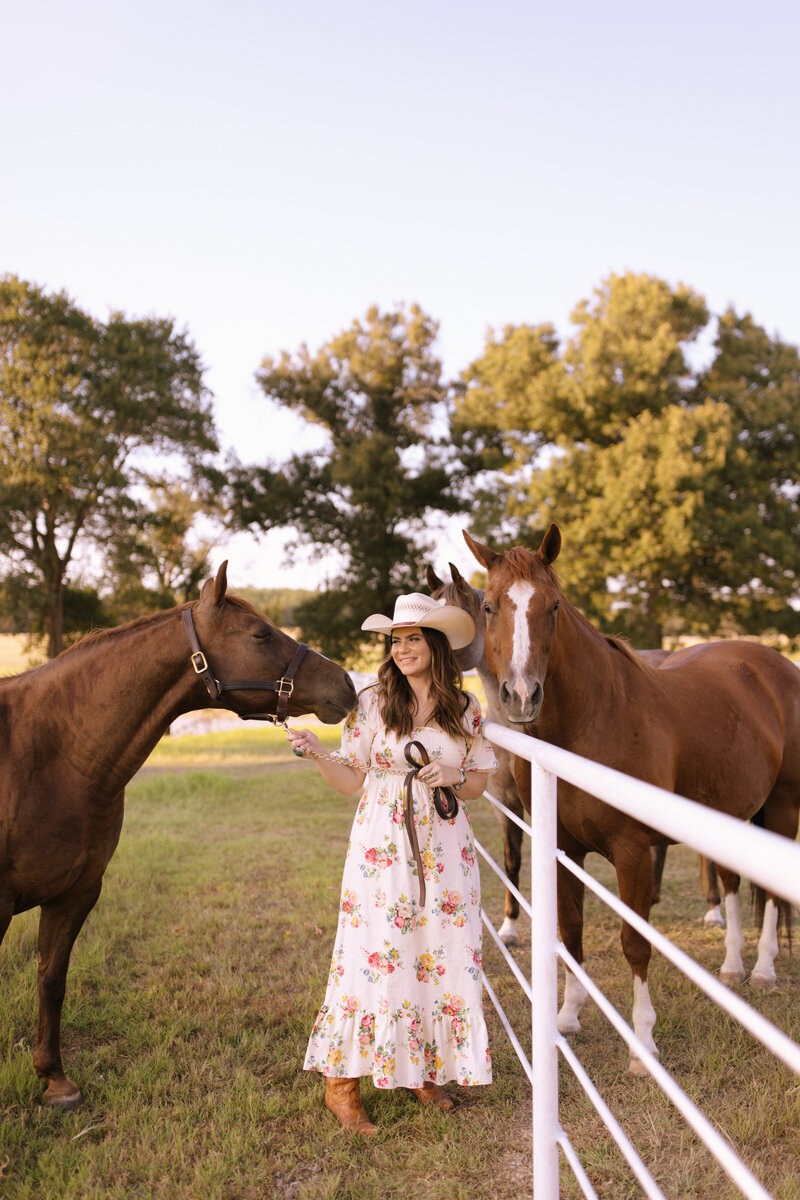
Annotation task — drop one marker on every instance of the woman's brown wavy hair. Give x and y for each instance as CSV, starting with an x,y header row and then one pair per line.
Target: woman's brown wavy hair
x,y
395,697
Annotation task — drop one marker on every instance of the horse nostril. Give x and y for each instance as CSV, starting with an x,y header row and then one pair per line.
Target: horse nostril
x,y
536,696
505,694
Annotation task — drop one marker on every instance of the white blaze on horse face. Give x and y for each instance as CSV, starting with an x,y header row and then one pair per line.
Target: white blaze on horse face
x,y
520,595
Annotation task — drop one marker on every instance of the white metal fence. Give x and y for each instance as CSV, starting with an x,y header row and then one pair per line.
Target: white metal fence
x,y
762,857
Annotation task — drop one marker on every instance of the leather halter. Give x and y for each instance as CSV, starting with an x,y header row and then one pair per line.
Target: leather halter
x,y
283,686
444,800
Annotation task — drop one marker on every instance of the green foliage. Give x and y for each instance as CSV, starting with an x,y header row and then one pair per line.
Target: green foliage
x,y
159,560
82,404
376,391
676,489
281,605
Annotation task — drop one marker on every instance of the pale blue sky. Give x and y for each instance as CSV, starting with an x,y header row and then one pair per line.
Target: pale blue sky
x,y
264,172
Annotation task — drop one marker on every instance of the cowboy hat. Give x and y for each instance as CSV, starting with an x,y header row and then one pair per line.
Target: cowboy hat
x,y
416,609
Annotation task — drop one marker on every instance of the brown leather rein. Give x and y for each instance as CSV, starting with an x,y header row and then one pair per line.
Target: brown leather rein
x,y
444,800
283,686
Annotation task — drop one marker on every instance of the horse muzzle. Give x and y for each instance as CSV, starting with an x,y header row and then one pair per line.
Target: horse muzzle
x,y
521,707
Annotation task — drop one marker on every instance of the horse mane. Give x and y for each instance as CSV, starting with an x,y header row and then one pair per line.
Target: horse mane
x,y
100,635
520,560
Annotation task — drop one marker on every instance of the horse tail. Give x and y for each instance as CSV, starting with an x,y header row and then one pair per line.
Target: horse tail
x,y
758,897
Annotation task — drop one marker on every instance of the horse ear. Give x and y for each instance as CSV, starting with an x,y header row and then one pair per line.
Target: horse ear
x,y
213,590
455,574
484,554
551,545
433,579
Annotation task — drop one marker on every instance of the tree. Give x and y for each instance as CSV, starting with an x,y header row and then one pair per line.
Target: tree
x,y
376,391
676,486
163,559
83,404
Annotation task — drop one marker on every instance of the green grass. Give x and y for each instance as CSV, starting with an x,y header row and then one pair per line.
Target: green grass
x,y
196,979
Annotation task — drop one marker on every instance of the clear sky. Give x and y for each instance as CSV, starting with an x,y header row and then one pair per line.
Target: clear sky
x,y
263,172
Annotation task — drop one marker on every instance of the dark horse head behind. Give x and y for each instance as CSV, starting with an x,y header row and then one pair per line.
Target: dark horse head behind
x,y
77,729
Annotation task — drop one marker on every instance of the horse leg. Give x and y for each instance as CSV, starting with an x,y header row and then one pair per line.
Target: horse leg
x,y
780,815
512,848
635,880
59,925
732,969
570,926
713,918
659,858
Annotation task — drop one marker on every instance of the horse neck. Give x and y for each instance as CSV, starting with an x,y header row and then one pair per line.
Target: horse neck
x,y
585,675
116,695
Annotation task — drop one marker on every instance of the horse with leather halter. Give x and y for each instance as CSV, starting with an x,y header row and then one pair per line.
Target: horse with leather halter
x,y
504,788
77,729
718,723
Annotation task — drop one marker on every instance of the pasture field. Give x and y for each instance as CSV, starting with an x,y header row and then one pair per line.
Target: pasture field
x,y
196,979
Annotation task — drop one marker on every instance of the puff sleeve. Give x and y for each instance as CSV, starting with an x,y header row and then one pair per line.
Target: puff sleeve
x,y
359,731
480,755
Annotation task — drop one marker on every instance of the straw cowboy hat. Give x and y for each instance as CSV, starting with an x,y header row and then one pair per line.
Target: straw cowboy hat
x,y
416,609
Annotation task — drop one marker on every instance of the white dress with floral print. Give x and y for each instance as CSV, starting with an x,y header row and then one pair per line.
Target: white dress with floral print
x,y
403,1002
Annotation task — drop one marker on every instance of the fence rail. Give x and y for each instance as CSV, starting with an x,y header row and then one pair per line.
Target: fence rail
x,y
760,856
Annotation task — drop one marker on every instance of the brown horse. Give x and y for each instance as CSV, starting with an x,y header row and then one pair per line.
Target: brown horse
x,y
504,787
719,723
76,730
503,783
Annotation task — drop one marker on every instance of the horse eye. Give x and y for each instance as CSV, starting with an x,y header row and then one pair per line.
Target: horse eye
x,y
555,605
263,634
487,608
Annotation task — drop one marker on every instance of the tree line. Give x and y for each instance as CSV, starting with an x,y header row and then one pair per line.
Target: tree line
x,y
661,438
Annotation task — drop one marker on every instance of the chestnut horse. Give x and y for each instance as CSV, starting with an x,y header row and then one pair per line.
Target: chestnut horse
x,y
503,784
504,787
719,723
76,730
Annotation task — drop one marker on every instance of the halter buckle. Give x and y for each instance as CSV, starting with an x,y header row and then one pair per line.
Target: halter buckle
x,y
199,662
285,687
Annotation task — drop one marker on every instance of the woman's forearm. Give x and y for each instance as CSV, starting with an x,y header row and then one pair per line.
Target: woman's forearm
x,y
339,775
474,785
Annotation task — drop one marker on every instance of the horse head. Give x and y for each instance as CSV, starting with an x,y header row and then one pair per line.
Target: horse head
x,y
241,644
520,606
461,595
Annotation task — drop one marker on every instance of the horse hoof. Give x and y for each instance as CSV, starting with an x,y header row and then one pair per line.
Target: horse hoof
x,y
65,1101
570,1026
731,978
508,933
637,1067
763,983
713,919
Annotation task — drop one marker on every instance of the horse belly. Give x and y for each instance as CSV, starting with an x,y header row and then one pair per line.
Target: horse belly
x,y
42,859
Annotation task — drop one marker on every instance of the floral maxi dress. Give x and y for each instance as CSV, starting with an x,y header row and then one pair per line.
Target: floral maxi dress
x,y
403,1001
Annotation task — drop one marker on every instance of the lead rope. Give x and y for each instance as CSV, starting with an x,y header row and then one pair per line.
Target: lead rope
x,y
442,800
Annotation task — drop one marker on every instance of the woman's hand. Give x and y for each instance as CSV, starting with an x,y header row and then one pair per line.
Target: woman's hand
x,y
303,742
434,774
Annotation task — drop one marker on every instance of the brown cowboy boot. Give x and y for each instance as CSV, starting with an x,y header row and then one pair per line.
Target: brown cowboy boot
x,y
431,1093
343,1099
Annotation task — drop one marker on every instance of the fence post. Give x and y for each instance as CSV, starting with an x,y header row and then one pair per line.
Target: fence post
x,y
544,984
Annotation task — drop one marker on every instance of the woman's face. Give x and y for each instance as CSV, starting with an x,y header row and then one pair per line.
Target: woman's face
x,y
411,653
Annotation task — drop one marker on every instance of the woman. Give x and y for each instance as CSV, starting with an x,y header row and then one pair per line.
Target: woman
x,y
403,1002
